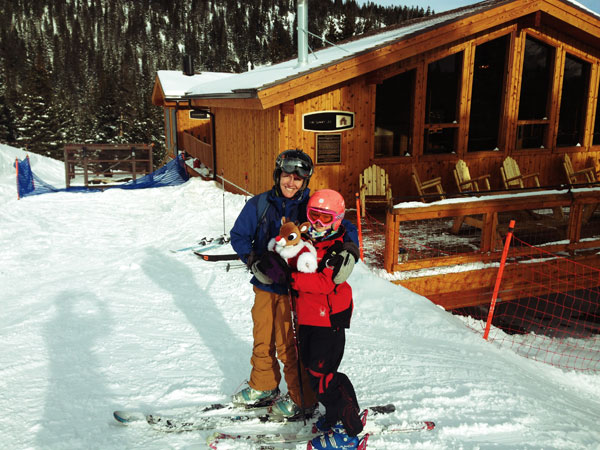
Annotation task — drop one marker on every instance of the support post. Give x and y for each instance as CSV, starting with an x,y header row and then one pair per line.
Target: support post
x,y
359,225
511,227
17,169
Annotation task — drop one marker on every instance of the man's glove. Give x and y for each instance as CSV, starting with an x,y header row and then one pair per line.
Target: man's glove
x,y
273,267
341,258
252,265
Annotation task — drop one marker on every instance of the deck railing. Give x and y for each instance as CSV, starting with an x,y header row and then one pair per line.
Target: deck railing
x,y
199,150
559,220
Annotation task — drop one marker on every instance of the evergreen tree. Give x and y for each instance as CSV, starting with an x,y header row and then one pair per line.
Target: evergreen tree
x,y
38,127
83,71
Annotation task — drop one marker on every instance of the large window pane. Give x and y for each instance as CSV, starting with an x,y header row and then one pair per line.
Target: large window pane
x,y
443,89
573,102
536,79
486,98
441,104
536,82
393,115
440,140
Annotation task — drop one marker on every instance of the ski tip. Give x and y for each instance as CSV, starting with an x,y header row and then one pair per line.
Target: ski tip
x,y
383,409
362,445
126,417
123,417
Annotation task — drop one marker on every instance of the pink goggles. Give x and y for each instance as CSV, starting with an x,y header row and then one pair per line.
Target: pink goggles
x,y
322,217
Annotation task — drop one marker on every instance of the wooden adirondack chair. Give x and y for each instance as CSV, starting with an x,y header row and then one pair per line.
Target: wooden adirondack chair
x,y
464,182
374,187
512,177
583,176
423,187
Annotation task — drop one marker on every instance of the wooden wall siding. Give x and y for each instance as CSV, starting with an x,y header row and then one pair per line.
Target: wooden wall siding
x,y
197,148
249,138
357,144
199,128
247,145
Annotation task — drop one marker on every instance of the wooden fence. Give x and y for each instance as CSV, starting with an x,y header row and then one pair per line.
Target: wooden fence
x,y
101,164
576,231
199,150
577,203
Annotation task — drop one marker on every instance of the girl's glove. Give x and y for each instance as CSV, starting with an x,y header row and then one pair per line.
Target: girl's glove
x,y
341,258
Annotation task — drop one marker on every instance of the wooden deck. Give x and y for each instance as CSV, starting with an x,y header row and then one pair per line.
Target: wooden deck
x,y
433,261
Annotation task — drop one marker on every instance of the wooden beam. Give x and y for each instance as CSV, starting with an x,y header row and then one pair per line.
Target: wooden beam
x,y
418,119
591,107
491,205
472,288
233,103
554,96
587,23
287,108
158,95
464,106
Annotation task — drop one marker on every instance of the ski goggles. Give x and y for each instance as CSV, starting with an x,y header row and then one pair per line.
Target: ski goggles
x,y
320,217
297,166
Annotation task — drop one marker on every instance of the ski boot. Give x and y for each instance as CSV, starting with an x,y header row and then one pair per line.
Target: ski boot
x,y
286,409
334,440
251,398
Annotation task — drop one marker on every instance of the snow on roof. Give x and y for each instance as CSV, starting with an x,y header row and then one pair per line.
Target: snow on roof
x,y
175,83
217,84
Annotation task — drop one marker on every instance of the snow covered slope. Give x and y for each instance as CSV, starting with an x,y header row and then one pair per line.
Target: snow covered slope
x,y
98,315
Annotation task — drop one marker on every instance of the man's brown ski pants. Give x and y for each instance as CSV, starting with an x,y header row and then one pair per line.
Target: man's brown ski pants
x,y
274,339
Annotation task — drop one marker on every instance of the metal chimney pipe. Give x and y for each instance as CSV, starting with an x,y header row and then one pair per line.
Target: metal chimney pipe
x,y
302,32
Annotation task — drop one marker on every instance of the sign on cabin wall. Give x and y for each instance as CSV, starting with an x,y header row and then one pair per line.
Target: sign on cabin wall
x,y
329,148
195,114
324,121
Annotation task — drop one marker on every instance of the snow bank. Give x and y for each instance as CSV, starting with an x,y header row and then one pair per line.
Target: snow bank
x,y
98,314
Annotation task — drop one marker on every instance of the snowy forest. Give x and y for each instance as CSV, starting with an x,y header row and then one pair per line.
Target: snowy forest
x,y
82,71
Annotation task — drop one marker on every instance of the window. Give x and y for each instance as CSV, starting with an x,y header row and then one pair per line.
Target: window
x,y
573,102
441,105
536,83
486,97
393,115
171,130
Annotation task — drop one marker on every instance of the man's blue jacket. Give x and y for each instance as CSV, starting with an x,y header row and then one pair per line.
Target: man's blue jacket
x,y
248,235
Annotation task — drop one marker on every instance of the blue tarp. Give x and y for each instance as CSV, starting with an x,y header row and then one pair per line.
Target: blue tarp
x,y
171,174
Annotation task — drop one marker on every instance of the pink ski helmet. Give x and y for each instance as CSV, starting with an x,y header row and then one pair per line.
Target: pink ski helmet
x,y
324,207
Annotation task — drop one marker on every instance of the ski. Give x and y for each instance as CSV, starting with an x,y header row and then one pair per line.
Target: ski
x,y
214,416
221,257
206,418
206,244
272,440
256,415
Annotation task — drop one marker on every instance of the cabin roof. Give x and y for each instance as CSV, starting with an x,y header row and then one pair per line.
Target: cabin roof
x,y
175,83
261,81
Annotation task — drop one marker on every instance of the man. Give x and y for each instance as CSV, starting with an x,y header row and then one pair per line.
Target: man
x,y
258,222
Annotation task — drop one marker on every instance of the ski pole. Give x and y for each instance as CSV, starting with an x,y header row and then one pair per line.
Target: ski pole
x,y
297,346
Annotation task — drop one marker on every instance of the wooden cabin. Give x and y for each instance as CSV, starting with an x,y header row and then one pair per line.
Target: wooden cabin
x,y
498,78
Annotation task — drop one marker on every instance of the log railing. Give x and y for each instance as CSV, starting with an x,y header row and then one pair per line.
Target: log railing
x,y
577,204
199,150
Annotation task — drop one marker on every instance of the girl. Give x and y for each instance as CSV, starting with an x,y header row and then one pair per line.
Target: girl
x,y
324,309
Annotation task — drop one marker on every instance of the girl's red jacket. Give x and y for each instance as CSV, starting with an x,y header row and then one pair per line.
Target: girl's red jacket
x,y
320,302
